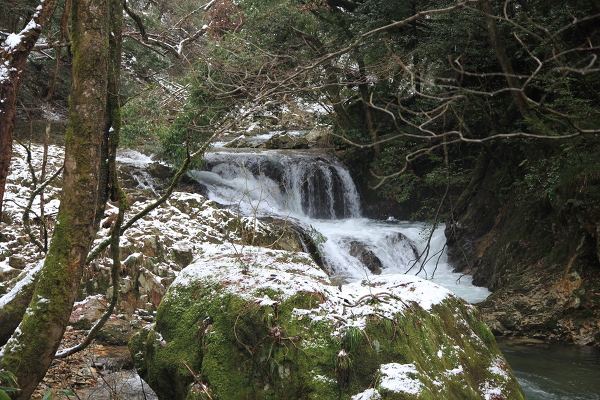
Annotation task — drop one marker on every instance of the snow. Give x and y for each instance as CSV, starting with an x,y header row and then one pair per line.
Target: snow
x,y
248,270
456,371
369,394
79,304
395,378
498,368
323,378
29,277
4,267
395,293
490,392
4,73
12,41
235,266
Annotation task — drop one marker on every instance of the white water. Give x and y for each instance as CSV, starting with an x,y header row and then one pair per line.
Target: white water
x,y
282,184
396,256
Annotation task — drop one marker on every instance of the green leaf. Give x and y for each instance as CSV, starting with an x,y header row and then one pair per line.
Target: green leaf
x,y
3,395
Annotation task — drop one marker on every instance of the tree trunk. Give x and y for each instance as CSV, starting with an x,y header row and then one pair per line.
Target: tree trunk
x,y
30,350
363,88
13,56
500,51
14,303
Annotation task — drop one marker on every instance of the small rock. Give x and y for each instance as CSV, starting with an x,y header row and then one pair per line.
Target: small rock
x,y
17,262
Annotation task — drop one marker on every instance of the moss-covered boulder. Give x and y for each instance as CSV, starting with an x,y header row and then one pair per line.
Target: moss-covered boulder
x,y
267,324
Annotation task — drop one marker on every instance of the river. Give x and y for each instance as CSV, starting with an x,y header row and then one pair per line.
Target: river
x,y
554,371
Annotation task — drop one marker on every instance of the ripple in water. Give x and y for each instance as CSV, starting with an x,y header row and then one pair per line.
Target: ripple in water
x,y
554,371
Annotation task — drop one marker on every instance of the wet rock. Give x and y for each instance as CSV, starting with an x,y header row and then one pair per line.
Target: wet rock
x,y
285,141
241,142
366,257
148,178
318,134
116,332
86,312
542,310
17,262
120,385
7,272
278,234
182,254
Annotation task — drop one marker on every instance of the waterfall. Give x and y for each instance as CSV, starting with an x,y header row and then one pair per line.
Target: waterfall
x,y
304,184
317,192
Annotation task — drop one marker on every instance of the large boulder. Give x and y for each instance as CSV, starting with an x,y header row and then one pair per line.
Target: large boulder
x,y
253,323
366,257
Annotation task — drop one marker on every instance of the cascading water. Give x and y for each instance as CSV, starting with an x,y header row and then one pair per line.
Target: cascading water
x,y
281,182
316,190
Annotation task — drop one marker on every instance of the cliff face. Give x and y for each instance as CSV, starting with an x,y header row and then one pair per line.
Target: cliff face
x,y
267,324
531,235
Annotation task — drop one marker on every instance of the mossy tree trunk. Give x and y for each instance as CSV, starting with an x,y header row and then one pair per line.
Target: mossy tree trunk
x,y
90,129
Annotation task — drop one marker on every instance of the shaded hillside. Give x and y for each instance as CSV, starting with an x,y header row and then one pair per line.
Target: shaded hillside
x,y
528,227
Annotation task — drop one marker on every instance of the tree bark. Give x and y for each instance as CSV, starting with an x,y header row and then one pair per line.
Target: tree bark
x,y
32,347
363,88
500,51
13,56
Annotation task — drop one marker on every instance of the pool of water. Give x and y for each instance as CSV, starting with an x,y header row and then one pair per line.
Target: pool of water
x,y
554,371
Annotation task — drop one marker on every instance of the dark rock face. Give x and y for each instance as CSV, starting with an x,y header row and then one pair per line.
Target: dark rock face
x,y
538,254
366,257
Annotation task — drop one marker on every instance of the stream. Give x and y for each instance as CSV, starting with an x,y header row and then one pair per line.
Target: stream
x,y
316,191
554,371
